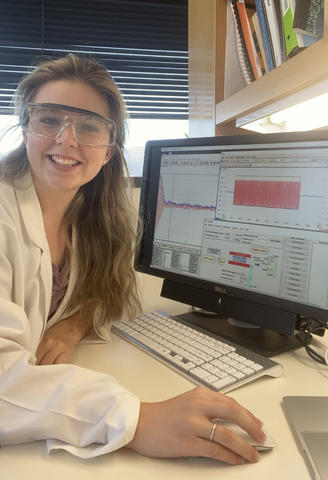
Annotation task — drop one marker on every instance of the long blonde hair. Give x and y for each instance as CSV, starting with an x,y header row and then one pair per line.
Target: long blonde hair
x,y
101,211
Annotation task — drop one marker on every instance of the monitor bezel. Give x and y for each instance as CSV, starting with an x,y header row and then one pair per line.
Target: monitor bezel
x,y
148,204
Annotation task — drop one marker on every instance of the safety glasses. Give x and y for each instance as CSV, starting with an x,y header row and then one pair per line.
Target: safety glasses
x,y
89,128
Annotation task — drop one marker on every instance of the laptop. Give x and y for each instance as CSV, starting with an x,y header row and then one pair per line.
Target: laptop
x,y
308,418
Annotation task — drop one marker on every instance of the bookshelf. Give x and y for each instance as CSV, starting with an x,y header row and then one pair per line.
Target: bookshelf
x,y
305,69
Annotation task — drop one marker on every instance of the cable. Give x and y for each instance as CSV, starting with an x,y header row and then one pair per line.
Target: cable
x,y
316,350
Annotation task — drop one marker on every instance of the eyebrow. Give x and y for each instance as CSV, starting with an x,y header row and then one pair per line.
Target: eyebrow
x,y
69,108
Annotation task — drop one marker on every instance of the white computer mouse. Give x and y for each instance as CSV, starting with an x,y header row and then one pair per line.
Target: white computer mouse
x,y
267,445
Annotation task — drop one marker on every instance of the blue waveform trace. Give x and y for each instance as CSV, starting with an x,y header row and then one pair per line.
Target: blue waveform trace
x,y
188,206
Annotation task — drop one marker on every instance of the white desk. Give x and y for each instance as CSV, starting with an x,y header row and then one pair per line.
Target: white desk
x,y
153,381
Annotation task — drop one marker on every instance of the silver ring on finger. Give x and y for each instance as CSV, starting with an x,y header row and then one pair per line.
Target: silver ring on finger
x,y
212,432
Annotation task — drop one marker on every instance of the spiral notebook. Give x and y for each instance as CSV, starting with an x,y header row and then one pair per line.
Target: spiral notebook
x,y
240,46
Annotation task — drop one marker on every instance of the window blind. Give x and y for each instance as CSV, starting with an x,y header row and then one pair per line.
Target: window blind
x,y
144,45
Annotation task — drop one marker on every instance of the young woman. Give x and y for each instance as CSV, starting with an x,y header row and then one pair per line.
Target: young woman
x,y
66,248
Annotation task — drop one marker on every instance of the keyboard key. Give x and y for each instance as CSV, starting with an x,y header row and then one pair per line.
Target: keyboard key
x,y
224,382
248,371
199,372
257,367
211,379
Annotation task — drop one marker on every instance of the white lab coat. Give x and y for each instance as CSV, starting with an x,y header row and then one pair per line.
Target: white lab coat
x,y
73,408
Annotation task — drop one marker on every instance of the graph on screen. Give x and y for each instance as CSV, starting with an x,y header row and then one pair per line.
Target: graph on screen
x,y
277,197
183,202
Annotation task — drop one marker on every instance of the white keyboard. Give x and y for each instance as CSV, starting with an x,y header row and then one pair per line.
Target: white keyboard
x,y
202,357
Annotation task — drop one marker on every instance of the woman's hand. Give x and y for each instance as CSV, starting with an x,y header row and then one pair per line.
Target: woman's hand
x,y
59,341
181,427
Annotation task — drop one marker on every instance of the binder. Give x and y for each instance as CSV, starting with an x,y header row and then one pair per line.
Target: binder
x,y
291,42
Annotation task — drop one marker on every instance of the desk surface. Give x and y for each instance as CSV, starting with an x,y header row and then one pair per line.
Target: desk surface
x,y
302,376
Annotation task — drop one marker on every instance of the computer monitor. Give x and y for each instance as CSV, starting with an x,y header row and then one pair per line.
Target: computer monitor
x,y
238,226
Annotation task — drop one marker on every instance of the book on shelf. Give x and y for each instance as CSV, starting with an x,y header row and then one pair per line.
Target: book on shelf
x,y
246,32
309,18
265,34
280,30
294,42
237,72
240,46
257,29
256,39
272,20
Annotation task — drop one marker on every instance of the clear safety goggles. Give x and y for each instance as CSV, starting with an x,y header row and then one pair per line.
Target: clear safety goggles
x,y
89,128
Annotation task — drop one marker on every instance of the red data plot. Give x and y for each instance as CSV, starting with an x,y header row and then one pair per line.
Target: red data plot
x,y
267,193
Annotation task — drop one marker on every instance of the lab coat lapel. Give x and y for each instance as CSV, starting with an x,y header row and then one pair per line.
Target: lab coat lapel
x,y
32,219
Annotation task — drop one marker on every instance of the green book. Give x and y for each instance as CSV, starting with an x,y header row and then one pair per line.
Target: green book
x,y
291,41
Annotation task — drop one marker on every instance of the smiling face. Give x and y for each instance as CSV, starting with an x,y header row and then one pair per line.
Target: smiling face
x,y
62,166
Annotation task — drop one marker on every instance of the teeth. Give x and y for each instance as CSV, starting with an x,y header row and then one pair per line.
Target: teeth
x,y
63,161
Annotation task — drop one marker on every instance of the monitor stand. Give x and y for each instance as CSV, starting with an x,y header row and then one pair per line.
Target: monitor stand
x,y
264,341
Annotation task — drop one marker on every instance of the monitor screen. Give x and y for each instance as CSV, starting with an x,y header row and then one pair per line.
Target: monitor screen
x,y
241,223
